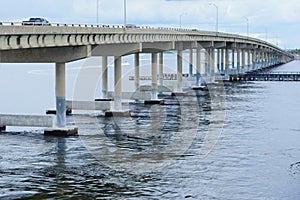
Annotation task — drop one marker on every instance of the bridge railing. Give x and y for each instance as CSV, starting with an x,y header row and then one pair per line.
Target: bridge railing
x,y
190,32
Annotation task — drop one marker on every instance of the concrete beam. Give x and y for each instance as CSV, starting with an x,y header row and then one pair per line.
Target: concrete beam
x,y
27,120
183,45
156,47
115,49
88,105
205,45
45,55
218,45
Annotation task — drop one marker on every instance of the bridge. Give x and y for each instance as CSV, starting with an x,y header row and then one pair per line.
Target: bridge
x,y
224,55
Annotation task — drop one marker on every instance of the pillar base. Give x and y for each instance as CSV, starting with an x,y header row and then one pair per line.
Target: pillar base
x,y
202,88
154,101
214,83
2,128
117,113
104,99
179,93
63,132
53,112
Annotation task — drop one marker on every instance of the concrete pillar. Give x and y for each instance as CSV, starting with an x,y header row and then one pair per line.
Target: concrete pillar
x,y
226,61
258,60
238,64
222,61
118,83
191,63
254,59
154,86
249,60
179,71
212,64
218,60
104,77
233,58
198,60
60,91
243,60
161,69
207,62
137,71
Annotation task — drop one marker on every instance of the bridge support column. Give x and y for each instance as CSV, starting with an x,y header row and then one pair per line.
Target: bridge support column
x,y
218,61
232,59
60,91
116,110
179,91
243,60
212,65
198,71
254,59
137,71
222,61
191,63
226,63
161,69
207,63
154,86
104,77
238,61
249,60
258,61
61,119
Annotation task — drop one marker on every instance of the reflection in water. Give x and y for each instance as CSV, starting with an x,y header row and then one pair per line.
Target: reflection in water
x,y
256,157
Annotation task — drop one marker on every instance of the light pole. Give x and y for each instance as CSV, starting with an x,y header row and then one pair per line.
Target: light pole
x,y
180,19
247,26
217,18
125,9
97,12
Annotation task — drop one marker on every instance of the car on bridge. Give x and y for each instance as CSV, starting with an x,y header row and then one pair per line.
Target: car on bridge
x,y
36,21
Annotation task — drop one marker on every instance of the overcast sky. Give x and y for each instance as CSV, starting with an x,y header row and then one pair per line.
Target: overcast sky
x,y
278,21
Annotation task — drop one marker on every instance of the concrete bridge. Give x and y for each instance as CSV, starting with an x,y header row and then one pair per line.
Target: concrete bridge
x,y
61,43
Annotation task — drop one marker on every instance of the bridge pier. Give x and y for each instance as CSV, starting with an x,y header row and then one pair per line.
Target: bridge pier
x,y
226,63
238,64
218,61
117,110
222,61
154,86
137,71
254,59
104,77
198,69
161,70
61,128
191,63
243,60
249,60
179,91
212,65
232,59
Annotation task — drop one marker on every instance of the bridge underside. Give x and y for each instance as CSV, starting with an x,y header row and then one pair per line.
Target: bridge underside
x,y
45,55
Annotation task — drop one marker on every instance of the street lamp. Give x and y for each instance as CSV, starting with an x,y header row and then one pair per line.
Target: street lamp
x,y
247,26
180,19
217,18
97,12
125,14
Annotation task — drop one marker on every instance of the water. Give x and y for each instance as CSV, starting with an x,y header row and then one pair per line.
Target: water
x,y
246,148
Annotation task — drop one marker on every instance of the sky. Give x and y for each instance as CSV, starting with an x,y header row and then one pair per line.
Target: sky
x,y
276,21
